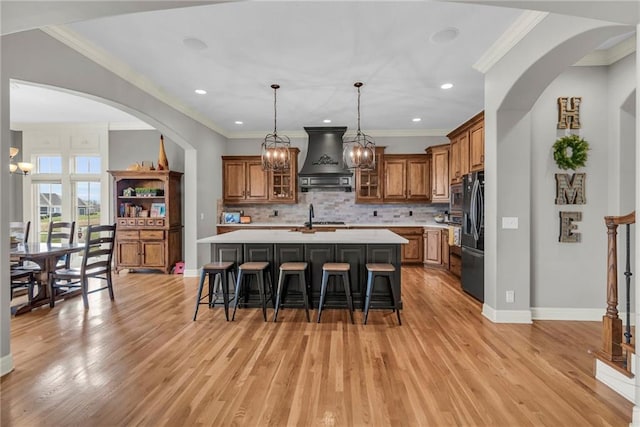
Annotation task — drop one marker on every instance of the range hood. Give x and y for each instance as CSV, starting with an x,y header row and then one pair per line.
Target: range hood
x,y
323,167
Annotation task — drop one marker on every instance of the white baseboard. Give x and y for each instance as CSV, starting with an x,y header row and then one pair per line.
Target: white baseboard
x,y
191,273
618,382
6,364
506,316
575,314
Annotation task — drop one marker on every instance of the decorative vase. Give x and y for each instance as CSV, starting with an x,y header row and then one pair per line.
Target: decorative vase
x,y
163,163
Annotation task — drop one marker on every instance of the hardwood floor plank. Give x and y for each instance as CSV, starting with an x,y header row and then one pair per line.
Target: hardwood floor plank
x,y
141,360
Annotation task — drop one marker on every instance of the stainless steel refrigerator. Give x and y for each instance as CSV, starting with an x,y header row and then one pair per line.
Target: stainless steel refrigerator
x,y
473,235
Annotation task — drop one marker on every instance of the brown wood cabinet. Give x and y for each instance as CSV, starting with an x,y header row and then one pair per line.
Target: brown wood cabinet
x,y
412,252
436,247
244,181
369,183
476,147
439,165
406,178
149,219
455,261
467,148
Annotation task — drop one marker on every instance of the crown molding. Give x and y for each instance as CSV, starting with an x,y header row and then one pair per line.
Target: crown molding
x,y
98,55
22,126
609,56
516,32
130,126
373,133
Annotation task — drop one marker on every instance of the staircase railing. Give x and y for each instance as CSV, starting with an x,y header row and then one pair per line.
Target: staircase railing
x,y
611,323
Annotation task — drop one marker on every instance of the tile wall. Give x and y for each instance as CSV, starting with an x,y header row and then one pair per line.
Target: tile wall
x,y
337,206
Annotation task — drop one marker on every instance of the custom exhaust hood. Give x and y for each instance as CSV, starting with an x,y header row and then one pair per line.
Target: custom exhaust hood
x,y
323,167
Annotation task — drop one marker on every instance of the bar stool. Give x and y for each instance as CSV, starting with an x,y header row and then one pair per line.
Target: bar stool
x,y
259,269
292,269
340,269
382,270
213,270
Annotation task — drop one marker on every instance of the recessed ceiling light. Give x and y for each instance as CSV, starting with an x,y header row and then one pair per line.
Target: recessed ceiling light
x,y
238,122
194,43
444,36
326,121
416,119
446,86
201,91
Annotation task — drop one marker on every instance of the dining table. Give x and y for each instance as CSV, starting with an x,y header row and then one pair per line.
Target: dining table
x,y
46,256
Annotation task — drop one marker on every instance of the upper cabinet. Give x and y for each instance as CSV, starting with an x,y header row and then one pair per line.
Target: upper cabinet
x,y
369,181
467,148
406,178
244,181
439,161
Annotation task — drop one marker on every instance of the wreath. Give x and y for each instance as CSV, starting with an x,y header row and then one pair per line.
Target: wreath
x,y
578,157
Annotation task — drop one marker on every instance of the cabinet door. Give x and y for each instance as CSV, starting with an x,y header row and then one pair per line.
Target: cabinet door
x,y
444,234
256,182
152,254
464,154
412,251
417,179
367,186
128,254
454,161
440,176
234,180
476,147
432,247
395,179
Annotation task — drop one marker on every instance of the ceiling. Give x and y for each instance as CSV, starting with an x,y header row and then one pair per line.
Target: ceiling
x,y
315,50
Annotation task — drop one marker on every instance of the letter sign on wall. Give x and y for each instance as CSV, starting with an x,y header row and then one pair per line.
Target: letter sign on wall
x,y
569,112
570,191
567,219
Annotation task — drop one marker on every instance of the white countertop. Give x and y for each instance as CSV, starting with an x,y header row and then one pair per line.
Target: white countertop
x,y
285,236
346,225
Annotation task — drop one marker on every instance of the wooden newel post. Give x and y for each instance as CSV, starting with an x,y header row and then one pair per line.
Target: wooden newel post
x,y
611,323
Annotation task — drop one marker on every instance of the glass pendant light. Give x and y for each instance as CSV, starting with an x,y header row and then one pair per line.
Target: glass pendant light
x,y
275,148
359,150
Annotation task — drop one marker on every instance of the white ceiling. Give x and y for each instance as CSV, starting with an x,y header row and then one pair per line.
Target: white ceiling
x,y
315,50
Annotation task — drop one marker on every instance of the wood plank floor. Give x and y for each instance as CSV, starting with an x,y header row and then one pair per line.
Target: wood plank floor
x,y
141,360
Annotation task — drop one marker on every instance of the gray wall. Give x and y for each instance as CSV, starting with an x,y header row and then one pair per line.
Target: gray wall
x,y
129,146
15,195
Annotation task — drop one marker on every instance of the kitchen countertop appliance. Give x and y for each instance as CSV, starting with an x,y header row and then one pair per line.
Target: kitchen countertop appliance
x,y
473,235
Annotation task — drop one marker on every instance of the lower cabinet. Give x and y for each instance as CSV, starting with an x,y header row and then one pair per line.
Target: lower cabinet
x,y
153,249
436,247
455,261
412,252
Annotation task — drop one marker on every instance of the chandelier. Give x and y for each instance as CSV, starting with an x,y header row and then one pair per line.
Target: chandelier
x,y
275,148
24,167
359,150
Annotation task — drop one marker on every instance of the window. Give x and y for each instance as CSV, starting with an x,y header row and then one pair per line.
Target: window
x,y
87,164
49,206
48,164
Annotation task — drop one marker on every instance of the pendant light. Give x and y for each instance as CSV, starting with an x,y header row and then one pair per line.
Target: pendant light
x,y
359,150
275,148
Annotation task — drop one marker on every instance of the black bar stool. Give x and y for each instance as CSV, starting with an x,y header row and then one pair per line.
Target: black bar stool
x,y
259,269
213,269
340,269
382,270
292,269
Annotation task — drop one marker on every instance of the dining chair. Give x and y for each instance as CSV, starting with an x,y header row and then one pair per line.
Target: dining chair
x,y
19,233
62,232
96,263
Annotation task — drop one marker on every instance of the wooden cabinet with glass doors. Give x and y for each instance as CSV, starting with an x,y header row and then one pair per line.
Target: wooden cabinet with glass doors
x,y
283,185
369,181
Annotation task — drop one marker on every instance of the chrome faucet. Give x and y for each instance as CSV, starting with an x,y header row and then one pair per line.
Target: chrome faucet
x,y
311,215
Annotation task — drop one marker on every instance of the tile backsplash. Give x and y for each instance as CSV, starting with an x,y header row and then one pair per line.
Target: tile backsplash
x,y
336,206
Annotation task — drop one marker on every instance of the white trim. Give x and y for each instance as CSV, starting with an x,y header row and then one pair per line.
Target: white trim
x,y
191,273
506,316
6,364
98,55
616,381
374,133
512,35
610,56
22,126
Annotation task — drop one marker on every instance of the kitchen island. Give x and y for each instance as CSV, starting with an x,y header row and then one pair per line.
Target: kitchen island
x,y
317,246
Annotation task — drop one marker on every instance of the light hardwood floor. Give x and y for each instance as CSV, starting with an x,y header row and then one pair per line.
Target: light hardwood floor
x,y
141,360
